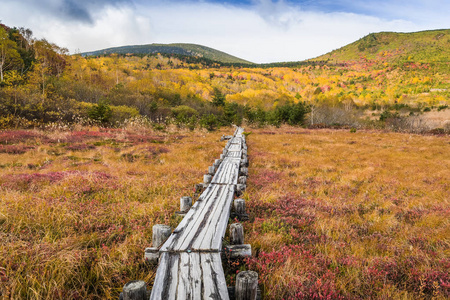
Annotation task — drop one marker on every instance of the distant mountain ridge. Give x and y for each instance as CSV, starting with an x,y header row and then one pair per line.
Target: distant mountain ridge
x,y
423,46
179,49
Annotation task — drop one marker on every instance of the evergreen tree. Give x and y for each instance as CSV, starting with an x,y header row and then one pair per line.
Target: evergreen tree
x,y
100,112
218,98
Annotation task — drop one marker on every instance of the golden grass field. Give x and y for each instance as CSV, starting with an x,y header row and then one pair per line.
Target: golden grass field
x,y
74,223
333,214
349,215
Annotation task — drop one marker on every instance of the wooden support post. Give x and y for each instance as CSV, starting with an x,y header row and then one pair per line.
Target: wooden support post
x,y
151,255
199,188
246,285
242,180
240,188
239,206
185,203
207,178
236,234
161,233
211,170
239,209
239,251
135,290
222,156
243,171
244,161
232,293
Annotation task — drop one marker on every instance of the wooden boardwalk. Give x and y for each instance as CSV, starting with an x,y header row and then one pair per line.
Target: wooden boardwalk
x,y
190,265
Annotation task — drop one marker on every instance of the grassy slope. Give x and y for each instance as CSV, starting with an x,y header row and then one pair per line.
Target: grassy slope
x,y
423,46
181,49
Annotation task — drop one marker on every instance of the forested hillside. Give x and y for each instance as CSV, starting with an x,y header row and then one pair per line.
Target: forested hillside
x,y
172,49
402,48
41,84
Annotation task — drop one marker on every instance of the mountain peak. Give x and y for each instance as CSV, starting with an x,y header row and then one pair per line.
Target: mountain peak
x,y
422,46
177,48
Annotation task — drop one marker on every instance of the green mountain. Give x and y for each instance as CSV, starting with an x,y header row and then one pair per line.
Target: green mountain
x,y
422,46
178,49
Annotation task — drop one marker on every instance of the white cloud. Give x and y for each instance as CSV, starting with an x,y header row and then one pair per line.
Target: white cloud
x,y
252,35
266,31
112,27
279,14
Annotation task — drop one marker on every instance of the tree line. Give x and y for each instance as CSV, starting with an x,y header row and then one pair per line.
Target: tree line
x,y
40,83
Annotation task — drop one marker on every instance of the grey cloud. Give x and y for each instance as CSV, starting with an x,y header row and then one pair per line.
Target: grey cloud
x,y
82,11
76,12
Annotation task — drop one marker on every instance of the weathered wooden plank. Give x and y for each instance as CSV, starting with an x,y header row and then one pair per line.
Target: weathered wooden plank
x,y
189,277
234,154
239,131
165,285
192,219
199,228
235,147
158,286
181,228
222,223
172,278
192,276
196,275
214,230
236,141
228,171
214,285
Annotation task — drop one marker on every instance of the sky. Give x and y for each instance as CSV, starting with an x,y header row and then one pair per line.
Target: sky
x,y
259,31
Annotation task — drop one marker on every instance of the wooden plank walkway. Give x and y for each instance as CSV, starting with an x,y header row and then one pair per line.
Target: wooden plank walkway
x,y
190,265
192,275
228,171
205,224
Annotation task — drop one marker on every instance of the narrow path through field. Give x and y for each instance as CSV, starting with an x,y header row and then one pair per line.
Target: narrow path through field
x,y
190,265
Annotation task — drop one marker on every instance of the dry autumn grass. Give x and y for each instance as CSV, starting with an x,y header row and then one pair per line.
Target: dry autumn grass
x,y
77,208
334,214
349,215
